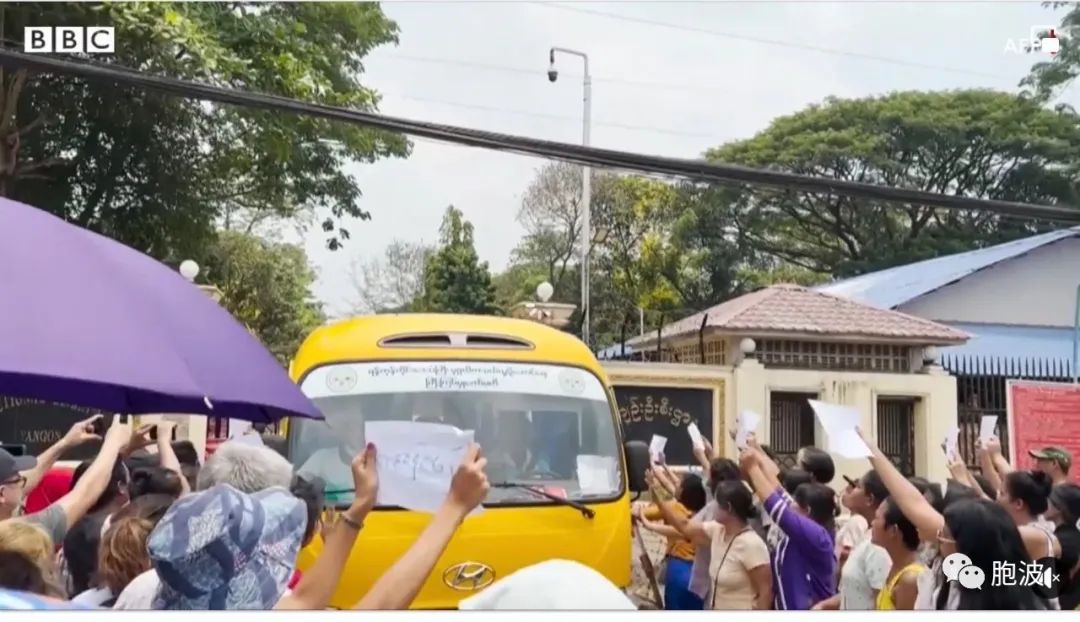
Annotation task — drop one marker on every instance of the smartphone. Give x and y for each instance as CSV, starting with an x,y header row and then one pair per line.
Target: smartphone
x,y
154,435
99,426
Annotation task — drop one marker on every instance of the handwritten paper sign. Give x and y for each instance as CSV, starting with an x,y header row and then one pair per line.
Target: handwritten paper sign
x,y
656,448
416,461
987,426
840,423
696,441
746,423
951,443
597,475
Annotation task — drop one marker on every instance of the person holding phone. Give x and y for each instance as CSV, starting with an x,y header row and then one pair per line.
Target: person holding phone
x,y
17,473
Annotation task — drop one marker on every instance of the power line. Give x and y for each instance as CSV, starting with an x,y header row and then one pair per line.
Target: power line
x,y
544,115
698,170
537,72
774,43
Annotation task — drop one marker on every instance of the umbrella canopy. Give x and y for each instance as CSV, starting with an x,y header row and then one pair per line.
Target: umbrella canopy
x,y
87,321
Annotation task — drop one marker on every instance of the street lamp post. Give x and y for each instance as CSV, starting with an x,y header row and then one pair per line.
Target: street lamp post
x,y
586,189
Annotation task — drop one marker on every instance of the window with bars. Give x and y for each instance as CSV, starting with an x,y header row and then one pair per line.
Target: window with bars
x,y
691,353
839,356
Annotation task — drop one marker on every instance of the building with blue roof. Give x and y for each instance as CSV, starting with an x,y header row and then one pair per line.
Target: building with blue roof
x,y
1017,300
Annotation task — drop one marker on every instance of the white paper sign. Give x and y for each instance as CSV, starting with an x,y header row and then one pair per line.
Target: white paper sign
x,y
238,427
597,475
656,447
951,443
695,436
840,423
746,423
416,461
987,427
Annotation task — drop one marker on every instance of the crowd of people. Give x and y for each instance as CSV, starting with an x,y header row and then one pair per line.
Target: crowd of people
x,y
752,535
145,526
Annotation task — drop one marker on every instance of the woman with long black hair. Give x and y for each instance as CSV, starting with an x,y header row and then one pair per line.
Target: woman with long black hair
x,y
980,529
1025,495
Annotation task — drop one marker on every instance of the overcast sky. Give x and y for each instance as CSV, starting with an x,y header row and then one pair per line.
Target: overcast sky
x,y
671,78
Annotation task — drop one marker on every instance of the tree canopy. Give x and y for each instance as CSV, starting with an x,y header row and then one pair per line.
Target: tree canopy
x,y
159,172
455,280
972,143
265,285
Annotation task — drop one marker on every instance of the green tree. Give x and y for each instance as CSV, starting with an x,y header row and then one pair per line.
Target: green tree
x,y
455,280
161,173
972,143
266,285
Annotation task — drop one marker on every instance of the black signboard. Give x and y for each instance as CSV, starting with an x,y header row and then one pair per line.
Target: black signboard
x,y
666,411
37,425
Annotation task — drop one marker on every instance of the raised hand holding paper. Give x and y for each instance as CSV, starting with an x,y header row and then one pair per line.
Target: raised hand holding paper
x,y
951,442
987,427
746,423
417,461
840,423
695,436
656,448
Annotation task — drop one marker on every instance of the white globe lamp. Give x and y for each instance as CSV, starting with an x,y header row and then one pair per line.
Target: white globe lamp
x,y
189,270
544,291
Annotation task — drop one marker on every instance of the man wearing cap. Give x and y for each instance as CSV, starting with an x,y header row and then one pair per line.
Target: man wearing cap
x,y
58,517
1054,461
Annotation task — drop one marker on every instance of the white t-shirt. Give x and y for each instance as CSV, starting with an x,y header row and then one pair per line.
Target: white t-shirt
x,y
140,593
95,597
863,576
854,530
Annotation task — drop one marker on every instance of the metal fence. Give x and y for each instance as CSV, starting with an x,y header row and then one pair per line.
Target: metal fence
x,y
981,390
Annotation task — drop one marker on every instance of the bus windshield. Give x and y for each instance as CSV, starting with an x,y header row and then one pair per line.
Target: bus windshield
x,y
547,425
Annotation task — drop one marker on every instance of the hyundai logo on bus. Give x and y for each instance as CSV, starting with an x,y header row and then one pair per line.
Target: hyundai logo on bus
x,y
69,39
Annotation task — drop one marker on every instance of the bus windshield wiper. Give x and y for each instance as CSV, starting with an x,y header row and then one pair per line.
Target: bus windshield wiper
x,y
585,510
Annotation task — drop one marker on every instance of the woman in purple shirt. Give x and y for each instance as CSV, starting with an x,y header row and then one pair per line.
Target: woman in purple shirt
x,y
804,562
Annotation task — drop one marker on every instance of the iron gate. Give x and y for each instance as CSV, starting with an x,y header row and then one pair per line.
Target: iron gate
x,y
896,432
791,425
981,391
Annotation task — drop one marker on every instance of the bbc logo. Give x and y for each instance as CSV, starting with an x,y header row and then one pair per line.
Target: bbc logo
x,y
69,39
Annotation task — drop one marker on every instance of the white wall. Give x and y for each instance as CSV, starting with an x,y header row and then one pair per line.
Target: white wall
x,y
1037,289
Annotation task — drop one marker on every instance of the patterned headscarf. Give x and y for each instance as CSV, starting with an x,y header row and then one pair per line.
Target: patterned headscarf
x,y
223,549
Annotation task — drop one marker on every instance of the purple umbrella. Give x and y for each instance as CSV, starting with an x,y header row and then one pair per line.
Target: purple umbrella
x,y
87,321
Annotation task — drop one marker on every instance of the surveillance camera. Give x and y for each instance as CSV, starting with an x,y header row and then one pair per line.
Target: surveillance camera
x,y
553,74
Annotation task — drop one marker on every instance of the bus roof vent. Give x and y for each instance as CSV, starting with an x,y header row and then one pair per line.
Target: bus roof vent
x,y
416,341
456,340
497,341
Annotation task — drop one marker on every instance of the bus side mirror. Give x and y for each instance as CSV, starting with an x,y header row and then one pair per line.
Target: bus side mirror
x,y
637,462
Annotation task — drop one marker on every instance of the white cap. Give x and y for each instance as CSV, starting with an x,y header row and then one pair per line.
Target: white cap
x,y
558,584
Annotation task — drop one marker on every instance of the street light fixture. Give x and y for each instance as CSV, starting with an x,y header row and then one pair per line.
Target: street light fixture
x,y
189,270
586,190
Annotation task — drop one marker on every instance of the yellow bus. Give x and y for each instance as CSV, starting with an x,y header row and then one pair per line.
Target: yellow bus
x,y
536,400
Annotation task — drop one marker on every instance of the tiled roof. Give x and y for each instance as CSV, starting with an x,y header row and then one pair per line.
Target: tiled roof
x,y
801,311
890,288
